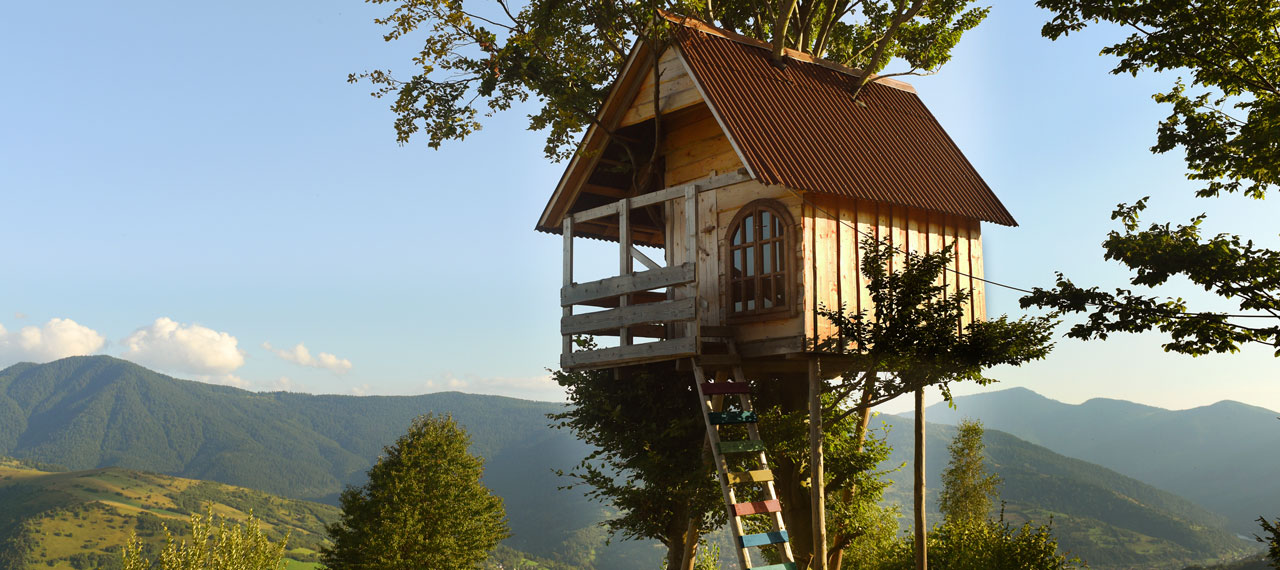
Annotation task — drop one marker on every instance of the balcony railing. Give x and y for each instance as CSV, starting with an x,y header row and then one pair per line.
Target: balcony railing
x,y
659,303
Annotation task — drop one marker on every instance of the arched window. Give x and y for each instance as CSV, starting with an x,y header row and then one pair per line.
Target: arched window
x,y
760,255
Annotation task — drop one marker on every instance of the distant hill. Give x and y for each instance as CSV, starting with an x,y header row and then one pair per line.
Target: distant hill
x,y
79,519
1225,456
96,411
1108,519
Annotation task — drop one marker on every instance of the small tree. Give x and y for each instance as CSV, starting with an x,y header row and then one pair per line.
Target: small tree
x,y
423,507
967,488
225,546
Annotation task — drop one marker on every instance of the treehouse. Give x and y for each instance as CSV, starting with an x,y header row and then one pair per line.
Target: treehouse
x,y
752,186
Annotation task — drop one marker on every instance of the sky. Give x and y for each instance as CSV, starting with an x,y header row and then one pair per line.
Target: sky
x,y
195,187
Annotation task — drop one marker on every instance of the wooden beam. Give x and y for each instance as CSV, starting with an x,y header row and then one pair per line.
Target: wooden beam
x,y
602,190
634,354
665,311
644,259
566,341
624,284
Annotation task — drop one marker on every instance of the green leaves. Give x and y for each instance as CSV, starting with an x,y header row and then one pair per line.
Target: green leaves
x,y
913,336
423,507
566,54
1227,265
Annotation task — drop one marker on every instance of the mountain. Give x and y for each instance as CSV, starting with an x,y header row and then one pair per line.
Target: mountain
x,y
1223,456
79,519
96,411
1107,519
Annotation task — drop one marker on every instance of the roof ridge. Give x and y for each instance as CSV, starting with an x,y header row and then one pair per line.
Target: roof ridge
x,y
699,25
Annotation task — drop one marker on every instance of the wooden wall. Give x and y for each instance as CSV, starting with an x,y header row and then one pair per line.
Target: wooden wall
x,y
832,253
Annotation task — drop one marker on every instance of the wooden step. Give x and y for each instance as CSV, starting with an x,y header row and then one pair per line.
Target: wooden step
x,y
757,508
731,417
756,476
744,446
783,566
761,539
721,388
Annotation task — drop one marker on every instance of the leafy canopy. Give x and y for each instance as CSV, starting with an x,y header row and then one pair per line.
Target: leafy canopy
x,y
480,58
1226,119
423,507
646,432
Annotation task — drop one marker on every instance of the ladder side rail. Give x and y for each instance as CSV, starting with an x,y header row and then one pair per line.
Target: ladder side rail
x,y
722,468
771,492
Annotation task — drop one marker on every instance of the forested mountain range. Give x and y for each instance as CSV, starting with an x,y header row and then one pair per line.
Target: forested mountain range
x,y
1224,456
1107,519
94,412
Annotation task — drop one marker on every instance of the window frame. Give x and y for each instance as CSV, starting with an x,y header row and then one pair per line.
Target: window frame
x,y
784,241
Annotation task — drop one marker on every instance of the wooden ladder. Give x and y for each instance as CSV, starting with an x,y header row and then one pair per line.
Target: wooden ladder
x,y
715,414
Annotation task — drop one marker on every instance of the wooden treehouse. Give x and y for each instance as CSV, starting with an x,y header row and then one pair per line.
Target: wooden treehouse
x,y
763,182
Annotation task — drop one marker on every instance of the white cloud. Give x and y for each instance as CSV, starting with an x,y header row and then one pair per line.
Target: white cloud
x,y
287,384
301,356
20,316
193,349
361,390
58,338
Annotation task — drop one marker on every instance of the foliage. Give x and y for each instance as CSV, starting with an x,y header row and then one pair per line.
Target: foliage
x,y
646,431
913,337
1229,129
242,546
1272,540
967,488
423,507
566,54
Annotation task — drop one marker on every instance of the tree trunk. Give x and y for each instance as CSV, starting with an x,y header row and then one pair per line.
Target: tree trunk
x,y
836,558
922,552
690,546
817,480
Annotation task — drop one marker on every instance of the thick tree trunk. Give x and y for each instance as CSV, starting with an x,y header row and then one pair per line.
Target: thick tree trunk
x,y
922,548
690,546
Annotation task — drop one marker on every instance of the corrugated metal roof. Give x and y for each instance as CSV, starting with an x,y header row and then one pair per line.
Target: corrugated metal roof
x,y
800,127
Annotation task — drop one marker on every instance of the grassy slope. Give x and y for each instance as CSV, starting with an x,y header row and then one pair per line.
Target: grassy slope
x,y
72,517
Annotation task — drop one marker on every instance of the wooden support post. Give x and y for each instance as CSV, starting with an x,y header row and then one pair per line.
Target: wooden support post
x,y
624,259
566,340
922,545
691,249
816,477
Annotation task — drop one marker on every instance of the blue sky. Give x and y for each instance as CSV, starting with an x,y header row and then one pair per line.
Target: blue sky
x,y
196,187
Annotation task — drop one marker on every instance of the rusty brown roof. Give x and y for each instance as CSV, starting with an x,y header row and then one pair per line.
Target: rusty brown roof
x,y
799,126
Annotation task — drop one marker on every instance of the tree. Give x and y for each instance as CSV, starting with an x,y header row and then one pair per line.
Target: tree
x,y
646,431
226,546
1227,121
423,507
967,488
912,338
565,54
1272,540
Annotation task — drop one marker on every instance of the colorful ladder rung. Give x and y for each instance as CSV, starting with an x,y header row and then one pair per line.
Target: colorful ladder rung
x,y
757,508
721,388
783,566
731,417
756,476
761,539
744,446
